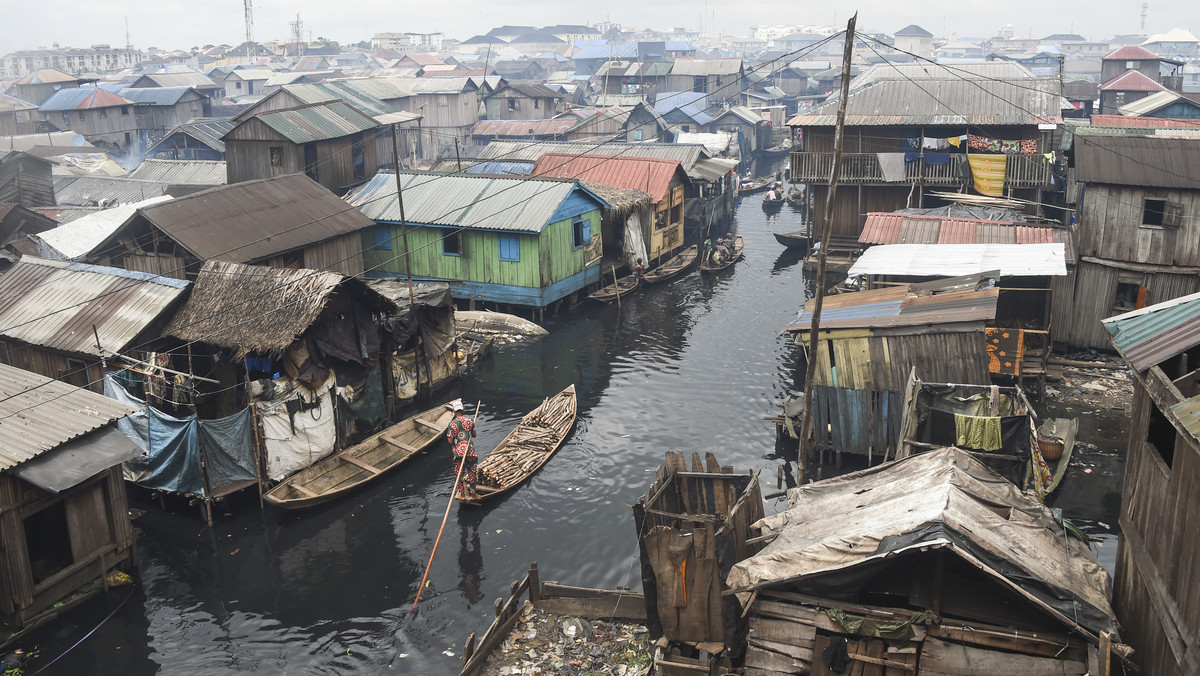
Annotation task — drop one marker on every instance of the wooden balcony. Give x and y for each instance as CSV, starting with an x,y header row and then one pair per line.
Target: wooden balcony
x,y
1024,171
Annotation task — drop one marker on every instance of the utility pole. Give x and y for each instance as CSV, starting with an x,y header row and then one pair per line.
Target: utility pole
x,y
807,433
249,7
412,305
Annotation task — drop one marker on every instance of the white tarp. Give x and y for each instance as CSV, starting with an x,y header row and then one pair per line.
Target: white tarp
x,y
635,242
315,433
953,260
76,239
716,143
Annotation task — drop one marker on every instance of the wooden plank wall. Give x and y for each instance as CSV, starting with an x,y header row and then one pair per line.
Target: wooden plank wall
x,y
54,365
1157,593
1111,226
875,362
26,181
1087,294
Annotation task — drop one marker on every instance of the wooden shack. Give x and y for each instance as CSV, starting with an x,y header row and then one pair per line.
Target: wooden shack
x,y
64,520
26,180
1155,583
928,565
693,526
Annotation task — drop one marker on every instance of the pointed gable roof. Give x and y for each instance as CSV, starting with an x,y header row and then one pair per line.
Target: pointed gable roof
x,y
1131,81
83,98
1131,53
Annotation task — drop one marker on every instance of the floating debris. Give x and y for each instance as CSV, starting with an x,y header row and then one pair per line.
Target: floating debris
x,y
542,644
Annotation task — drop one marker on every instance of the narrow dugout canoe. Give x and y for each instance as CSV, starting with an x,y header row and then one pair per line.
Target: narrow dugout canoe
x,y
538,436
622,287
362,463
678,263
738,245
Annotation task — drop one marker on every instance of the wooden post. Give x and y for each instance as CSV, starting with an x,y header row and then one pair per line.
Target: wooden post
x,y
616,285
258,454
806,441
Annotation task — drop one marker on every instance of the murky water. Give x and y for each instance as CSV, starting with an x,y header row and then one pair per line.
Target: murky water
x,y
693,365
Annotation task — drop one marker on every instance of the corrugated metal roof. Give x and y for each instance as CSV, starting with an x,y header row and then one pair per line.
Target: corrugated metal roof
x,y
249,221
1131,81
437,85
946,260
481,202
713,168
89,190
648,174
251,74
46,76
181,172
944,103
898,228
555,127
155,96
978,71
902,306
1131,53
55,304
367,98
1148,122
10,103
1188,413
1138,161
1151,103
179,80
317,122
1153,334
495,167
82,98
686,155
697,66
78,237
207,131
38,414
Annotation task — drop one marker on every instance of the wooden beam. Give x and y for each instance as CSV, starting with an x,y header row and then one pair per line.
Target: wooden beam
x,y
355,461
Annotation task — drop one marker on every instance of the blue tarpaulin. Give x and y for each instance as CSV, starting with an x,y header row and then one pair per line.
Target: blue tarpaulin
x,y
226,443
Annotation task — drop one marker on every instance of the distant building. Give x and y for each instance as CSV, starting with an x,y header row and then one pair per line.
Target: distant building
x,y
407,42
522,102
100,115
915,40
95,59
39,85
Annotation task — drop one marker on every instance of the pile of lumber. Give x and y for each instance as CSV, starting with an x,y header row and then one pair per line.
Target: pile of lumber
x,y
522,451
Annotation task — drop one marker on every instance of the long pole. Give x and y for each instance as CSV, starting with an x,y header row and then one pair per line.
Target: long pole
x,y
807,440
445,517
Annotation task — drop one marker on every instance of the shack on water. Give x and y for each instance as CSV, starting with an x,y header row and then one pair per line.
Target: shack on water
x,y
929,565
1154,590
517,241
64,519
869,343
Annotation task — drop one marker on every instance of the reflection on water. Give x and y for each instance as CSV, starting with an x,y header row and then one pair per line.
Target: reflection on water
x,y
692,365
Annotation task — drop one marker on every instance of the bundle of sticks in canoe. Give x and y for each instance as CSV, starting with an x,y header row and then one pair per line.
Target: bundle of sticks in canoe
x,y
524,449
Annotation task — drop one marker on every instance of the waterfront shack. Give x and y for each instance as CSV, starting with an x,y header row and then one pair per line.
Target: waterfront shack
x,y
1138,229
193,140
26,180
869,343
1154,591
913,127
287,221
522,101
64,518
98,114
662,179
517,241
928,565
74,322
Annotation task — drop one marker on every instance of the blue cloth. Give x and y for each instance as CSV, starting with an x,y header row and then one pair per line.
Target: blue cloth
x,y
912,157
174,461
937,158
226,445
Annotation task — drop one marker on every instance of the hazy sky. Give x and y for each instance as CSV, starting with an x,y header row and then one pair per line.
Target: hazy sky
x,y
180,24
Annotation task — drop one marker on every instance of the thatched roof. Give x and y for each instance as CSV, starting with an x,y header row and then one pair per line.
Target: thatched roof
x,y
254,309
621,201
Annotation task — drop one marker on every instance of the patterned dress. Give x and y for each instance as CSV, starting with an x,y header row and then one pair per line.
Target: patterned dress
x,y
458,434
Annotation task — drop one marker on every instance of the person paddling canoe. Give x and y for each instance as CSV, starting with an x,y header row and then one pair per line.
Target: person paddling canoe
x,y
459,433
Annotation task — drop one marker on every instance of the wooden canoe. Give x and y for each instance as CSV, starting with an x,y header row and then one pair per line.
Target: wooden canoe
x,y
793,240
622,287
540,433
678,263
772,205
756,185
362,463
1065,429
707,266
495,323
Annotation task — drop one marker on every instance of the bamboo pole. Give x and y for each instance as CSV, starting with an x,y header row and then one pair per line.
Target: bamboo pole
x,y
445,517
806,436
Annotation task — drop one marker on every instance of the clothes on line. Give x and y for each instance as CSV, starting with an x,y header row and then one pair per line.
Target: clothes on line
x,y
980,432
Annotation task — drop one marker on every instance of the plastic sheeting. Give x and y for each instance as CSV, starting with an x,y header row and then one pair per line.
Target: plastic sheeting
x,y
291,449
943,498
634,242
172,448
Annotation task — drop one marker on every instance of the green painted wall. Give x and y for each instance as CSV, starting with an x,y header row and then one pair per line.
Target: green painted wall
x,y
544,260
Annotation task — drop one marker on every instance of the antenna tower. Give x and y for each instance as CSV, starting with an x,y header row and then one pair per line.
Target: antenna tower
x,y
249,28
1145,8
128,42
298,34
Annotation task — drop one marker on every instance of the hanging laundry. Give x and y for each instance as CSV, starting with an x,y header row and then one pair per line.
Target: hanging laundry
x,y
929,143
937,158
1029,147
956,141
912,156
891,165
988,172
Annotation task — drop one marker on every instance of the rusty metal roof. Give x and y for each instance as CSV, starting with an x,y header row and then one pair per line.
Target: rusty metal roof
x,y
38,414
1153,334
1137,160
249,221
1147,122
466,201
648,174
56,304
687,154
908,305
949,102
318,121
1131,53
896,228
1131,81
82,98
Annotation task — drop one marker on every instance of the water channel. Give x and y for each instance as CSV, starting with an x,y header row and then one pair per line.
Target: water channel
x,y
693,365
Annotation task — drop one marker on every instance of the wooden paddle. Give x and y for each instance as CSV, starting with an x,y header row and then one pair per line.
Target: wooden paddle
x,y
445,517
